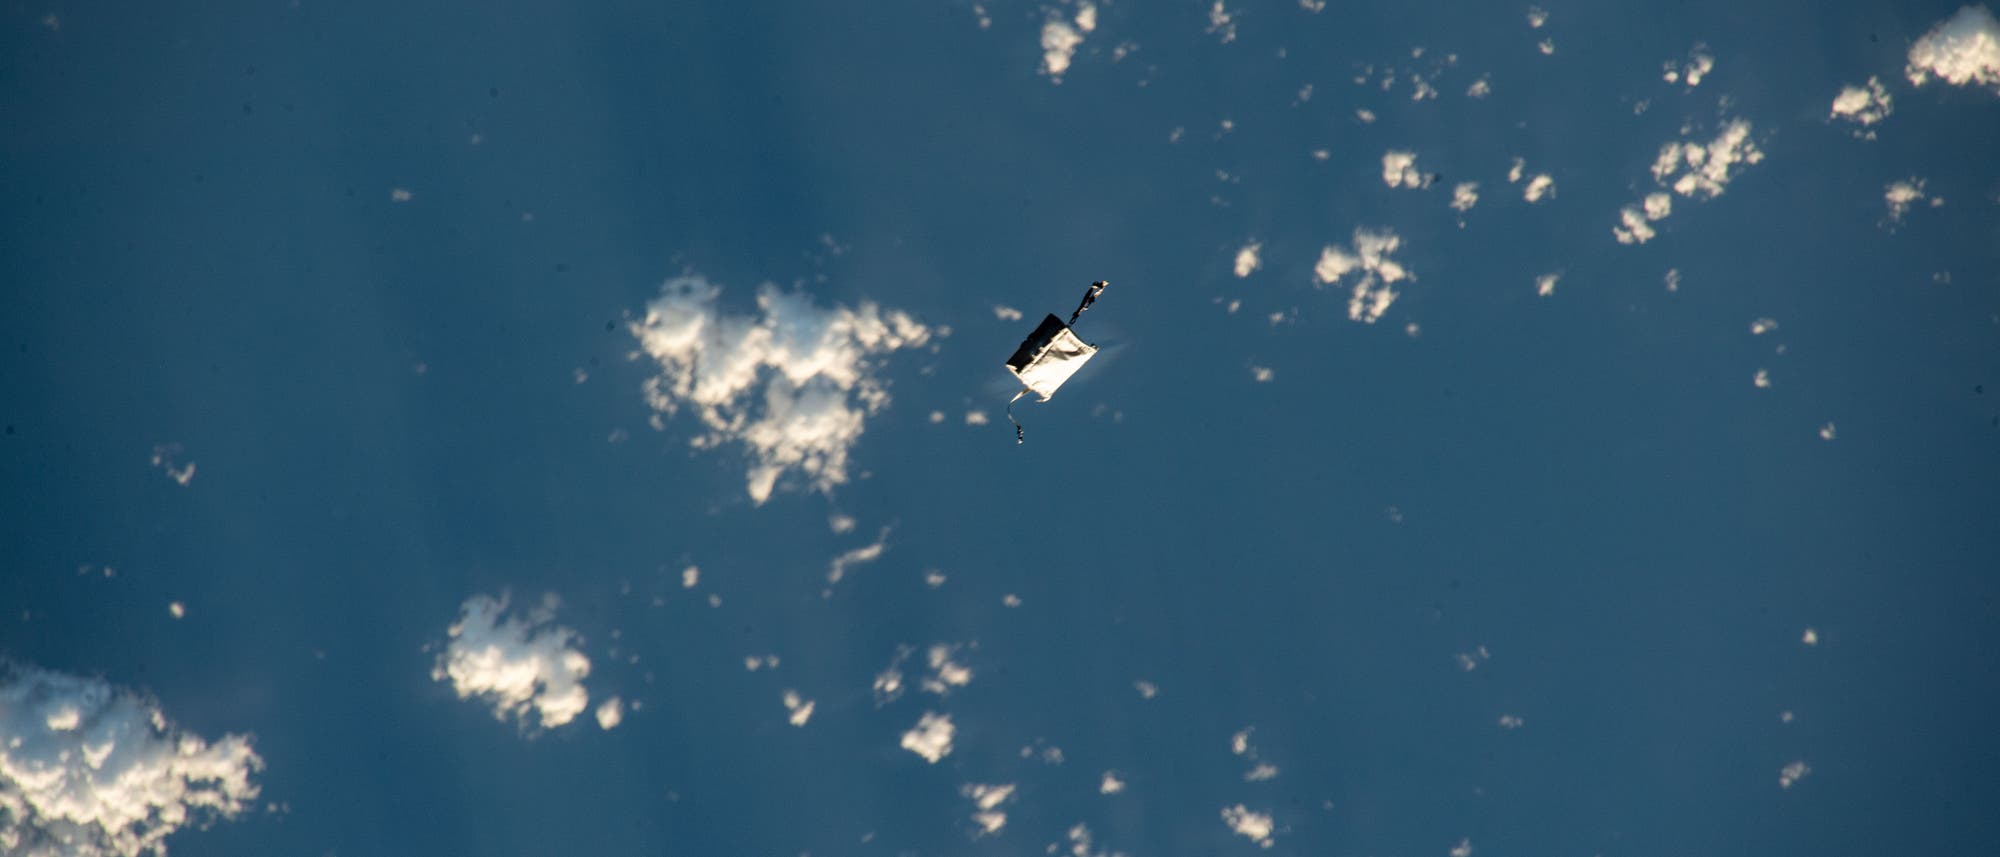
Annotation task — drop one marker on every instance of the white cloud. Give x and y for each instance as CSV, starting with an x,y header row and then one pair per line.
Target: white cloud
x,y
610,713
792,384
1509,721
1537,16
166,457
1863,106
1086,17
1399,169
1692,168
986,803
1146,689
517,663
976,418
1515,170
1369,257
945,672
1545,284
1826,432
1006,313
1262,374
1792,773
1546,46
1248,259
177,610
89,770
1080,840
837,569
1313,6
1462,849
1263,771
1672,279
1110,784
1634,220
1059,44
1762,326
1699,62
1480,88
1221,23
801,709
1810,637
1465,195
1964,49
1539,187
1899,196
1254,826
931,737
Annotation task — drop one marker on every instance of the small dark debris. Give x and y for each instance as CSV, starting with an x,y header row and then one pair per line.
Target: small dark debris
x,y
1979,388
610,326
10,428
247,109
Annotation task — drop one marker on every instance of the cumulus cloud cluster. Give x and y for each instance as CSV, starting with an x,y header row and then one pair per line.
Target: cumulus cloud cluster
x,y
1399,169
931,738
1374,272
88,770
1634,222
1863,106
1694,169
517,663
1249,259
1699,63
987,800
1899,196
1254,826
1962,50
793,384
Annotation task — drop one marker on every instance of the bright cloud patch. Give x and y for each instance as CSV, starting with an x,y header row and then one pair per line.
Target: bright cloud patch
x,y
987,801
838,568
792,384
1899,196
1699,63
1538,188
931,737
1399,169
88,770
1464,196
1545,284
517,663
1374,272
1634,221
1254,826
1863,106
1695,169
1964,49
1059,44
1249,259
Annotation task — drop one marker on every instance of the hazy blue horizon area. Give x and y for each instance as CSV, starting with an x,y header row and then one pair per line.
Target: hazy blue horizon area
x,y
1504,571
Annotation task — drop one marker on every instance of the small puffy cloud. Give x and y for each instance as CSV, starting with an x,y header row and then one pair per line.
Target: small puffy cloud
x,y
1810,637
1059,43
1547,47
1537,17
1462,849
1254,826
167,458
1086,17
517,663
690,576
1146,689
1221,23
610,713
1545,284
801,709
401,195
1464,196
986,803
1480,88
837,569
1249,258
1110,784
1699,62
1399,169
1262,374
1792,773
931,737
89,770
1263,771
1826,432
177,610
1469,661
1006,313
1539,187
1762,326
1694,169
1964,49
1899,196
1634,220
1761,380
1516,170
792,384
946,673
1863,106
1509,721
976,418
1374,272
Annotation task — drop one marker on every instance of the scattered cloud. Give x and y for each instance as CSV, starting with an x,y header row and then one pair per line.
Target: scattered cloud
x,y
1547,47
1899,196
1699,63
1516,169
1110,784
90,770
1537,17
1826,432
1399,169
1060,40
1810,637
1249,258
1509,721
610,713
1221,23
1962,50
801,709
1006,313
690,576
1545,285
1792,773
1539,187
1762,326
1464,196
792,384
1672,280
1462,849
946,673
986,803
931,737
1863,106
1376,272
1761,380
1262,374
1694,169
1263,771
1634,221
177,610
1469,661
976,418
1480,88
517,663
836,570
401,195
1146,689
167,459
1254,826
